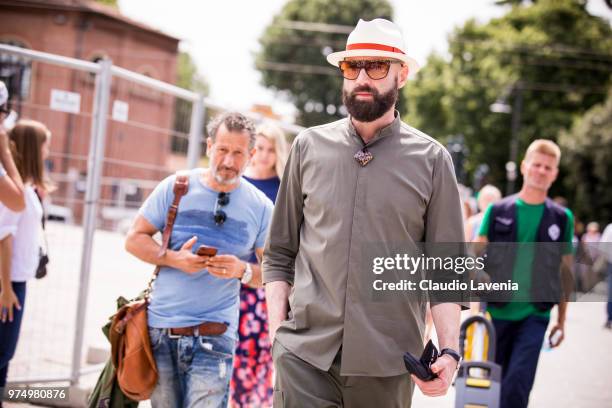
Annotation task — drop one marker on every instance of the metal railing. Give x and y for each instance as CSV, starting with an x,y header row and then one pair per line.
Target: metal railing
x,y
105,72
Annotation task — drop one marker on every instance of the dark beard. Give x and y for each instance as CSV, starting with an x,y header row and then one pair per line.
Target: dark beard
x,y
369,111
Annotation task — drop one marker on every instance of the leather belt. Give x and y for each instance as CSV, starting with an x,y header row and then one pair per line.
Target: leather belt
x,y
204,329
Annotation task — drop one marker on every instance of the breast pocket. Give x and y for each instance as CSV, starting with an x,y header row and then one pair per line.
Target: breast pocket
x,y
503,228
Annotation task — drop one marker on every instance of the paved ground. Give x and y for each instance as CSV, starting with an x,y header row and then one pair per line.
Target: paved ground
x,y
576,375
48,330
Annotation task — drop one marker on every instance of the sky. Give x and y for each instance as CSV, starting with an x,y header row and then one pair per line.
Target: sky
x,y
222,36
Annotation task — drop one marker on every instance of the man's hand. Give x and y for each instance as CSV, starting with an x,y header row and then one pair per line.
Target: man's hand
x,y
444,367
557,328
8,299
226,267
446,317
185,260
277,295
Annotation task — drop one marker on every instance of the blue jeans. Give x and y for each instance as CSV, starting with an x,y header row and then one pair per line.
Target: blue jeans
x,y
518,350
9,333
193,371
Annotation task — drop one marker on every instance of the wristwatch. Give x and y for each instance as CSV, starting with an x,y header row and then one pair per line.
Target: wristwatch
x,y
248,273
452,353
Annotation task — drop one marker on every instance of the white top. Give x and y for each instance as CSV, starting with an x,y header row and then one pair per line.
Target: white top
x,y
25,227
2,171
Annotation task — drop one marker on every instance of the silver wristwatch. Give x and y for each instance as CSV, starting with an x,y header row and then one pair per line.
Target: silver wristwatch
x,y
248,274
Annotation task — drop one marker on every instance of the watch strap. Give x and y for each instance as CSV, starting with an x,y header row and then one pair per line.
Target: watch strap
x,y
248,273
452,353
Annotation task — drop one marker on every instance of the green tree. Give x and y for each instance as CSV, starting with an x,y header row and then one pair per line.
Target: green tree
x,y
292,58
587,149
188,77
112,3
552,52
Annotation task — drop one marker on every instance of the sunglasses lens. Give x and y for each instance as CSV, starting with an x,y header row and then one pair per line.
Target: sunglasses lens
x,y
377,69
350,69
223,199
374,69
220,217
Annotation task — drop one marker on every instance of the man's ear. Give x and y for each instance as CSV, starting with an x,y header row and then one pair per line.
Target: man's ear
x,y
402,76
209,144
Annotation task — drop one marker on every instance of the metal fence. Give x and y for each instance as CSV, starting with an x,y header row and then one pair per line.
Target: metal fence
x,y
116,134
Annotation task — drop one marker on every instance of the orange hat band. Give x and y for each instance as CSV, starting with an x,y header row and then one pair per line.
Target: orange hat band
x,y
373,46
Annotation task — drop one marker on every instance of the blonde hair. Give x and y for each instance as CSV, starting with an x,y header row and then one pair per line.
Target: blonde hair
x,y
544,146
487,195
275,135
593,226
27,138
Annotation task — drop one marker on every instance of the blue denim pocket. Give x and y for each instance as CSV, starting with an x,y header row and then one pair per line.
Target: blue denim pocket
x,y
212,367
155,337
220,346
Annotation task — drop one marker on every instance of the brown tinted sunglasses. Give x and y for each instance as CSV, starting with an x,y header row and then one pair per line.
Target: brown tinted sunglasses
x,y
375,69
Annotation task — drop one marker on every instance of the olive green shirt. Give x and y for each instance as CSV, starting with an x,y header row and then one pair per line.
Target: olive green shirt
x,y
330,211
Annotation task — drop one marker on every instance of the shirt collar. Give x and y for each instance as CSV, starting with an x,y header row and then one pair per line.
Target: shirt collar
x,y
390,129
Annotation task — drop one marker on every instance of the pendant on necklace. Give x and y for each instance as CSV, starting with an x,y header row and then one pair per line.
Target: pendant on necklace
x,y
363,157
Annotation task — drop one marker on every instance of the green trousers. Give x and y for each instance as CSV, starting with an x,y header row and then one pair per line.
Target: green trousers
x,y
300,385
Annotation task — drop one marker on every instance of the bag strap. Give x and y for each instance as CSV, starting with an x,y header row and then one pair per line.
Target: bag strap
x,y
43,221
181,186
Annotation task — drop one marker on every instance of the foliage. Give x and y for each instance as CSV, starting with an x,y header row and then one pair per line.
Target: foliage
x,y
553,51
188,78
113,3
587,153
293,61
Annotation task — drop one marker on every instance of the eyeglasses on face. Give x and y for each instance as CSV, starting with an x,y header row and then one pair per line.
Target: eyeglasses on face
x,y
220,216
375,69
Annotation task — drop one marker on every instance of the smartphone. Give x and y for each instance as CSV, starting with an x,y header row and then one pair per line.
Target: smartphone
x,y
205,250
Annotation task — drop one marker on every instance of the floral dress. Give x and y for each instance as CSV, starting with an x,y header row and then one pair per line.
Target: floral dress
x,y
251,384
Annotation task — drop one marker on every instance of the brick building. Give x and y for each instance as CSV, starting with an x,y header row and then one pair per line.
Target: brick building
x,y
138,149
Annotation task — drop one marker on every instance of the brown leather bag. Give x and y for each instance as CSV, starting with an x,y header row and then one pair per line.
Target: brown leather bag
x,y
131,352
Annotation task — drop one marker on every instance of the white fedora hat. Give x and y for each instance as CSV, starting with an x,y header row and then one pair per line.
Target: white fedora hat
x,y
376,38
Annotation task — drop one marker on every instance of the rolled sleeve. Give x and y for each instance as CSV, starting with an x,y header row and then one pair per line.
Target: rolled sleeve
x,y
444,221
155,207
283,240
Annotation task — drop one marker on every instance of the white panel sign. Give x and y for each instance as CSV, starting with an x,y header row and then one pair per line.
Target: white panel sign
x,y
120,111
65,101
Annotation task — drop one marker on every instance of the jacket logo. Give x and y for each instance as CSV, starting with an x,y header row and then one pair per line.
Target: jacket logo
x,y
554,231
503,220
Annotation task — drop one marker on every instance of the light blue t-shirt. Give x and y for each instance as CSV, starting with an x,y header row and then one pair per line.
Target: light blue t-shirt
x,y
180,299
2,171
